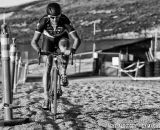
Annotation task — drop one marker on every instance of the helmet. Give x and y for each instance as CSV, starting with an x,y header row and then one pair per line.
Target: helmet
x,y
53,9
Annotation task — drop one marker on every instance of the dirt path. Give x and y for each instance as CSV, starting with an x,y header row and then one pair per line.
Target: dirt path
x,y
91,104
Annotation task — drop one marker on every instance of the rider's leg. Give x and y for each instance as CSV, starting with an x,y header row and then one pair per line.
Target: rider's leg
x,y
64,45
46,77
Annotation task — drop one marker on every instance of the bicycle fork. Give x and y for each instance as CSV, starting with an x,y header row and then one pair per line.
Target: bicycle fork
x,y
58,74
56,86
56,80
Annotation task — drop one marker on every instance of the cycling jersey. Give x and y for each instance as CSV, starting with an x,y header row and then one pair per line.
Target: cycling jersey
x,y
63,27
53,37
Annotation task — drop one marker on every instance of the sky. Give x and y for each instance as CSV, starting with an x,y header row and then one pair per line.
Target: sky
x,y
8,3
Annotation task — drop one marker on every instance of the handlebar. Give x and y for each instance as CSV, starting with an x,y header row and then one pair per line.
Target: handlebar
x,y
55,54
71,58
51,53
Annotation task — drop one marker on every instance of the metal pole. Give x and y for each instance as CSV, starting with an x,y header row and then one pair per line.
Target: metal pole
x,y
79,63
12,64
7,95
94,33
6,72
25,72
75,66
156,42
95,63
95,55
15,73
119,65
19,68
18,58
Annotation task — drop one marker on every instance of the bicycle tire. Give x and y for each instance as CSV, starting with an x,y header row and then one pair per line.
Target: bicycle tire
x,y
50,92
54,87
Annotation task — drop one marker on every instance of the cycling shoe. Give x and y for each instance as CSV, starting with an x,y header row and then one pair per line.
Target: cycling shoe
x,y
64,80
46,104
59,93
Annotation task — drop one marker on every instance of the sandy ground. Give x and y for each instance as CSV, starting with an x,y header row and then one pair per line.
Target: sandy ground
x,y
90,104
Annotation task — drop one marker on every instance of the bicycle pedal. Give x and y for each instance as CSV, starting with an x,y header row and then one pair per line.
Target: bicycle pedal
x,y
58,96
47,109
46,105
65,86
59,92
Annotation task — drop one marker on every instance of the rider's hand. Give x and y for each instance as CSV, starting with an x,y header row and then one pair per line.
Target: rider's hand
x,y
73,51
39,51
67,52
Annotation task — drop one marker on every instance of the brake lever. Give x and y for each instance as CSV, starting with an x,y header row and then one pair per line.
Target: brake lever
x,y
39,58
71,58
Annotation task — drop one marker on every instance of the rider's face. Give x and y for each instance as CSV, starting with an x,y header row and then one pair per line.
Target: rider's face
x,y
54,19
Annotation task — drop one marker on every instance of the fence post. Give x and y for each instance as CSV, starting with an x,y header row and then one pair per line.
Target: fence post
x,y
75,65
6,72
25,72
79,63
16,71
12,64
119,66
7,100
137,69
95,63
19,69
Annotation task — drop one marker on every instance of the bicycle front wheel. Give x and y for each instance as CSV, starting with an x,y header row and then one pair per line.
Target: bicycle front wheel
x,y
54,88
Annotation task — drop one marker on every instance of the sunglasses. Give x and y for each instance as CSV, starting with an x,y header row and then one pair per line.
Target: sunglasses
x,y
54,17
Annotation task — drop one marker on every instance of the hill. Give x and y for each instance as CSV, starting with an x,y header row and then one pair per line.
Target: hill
x,y
113,18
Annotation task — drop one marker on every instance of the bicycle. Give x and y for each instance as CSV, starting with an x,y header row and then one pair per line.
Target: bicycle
x,y
54,85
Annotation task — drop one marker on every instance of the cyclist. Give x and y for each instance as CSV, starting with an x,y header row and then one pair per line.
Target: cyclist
x,y
55,28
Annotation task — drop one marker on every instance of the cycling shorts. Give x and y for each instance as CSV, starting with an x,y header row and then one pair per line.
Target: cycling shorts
x,y
52,44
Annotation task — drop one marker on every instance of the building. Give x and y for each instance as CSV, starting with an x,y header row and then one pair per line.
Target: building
x,y
131,50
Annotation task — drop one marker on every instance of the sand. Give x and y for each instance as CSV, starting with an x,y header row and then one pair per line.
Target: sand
x,y
90,104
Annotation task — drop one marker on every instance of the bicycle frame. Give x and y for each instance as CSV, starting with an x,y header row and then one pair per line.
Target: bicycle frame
x,y
54,79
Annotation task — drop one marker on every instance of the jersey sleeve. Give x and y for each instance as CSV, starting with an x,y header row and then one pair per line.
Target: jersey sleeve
x,y
67,23
40,25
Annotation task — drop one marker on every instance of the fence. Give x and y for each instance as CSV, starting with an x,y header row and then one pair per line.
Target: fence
x,y
96,64
81,63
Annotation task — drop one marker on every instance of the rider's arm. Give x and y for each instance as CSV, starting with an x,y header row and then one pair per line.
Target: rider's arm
x,y
76,39
72,32
35,40
37,34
